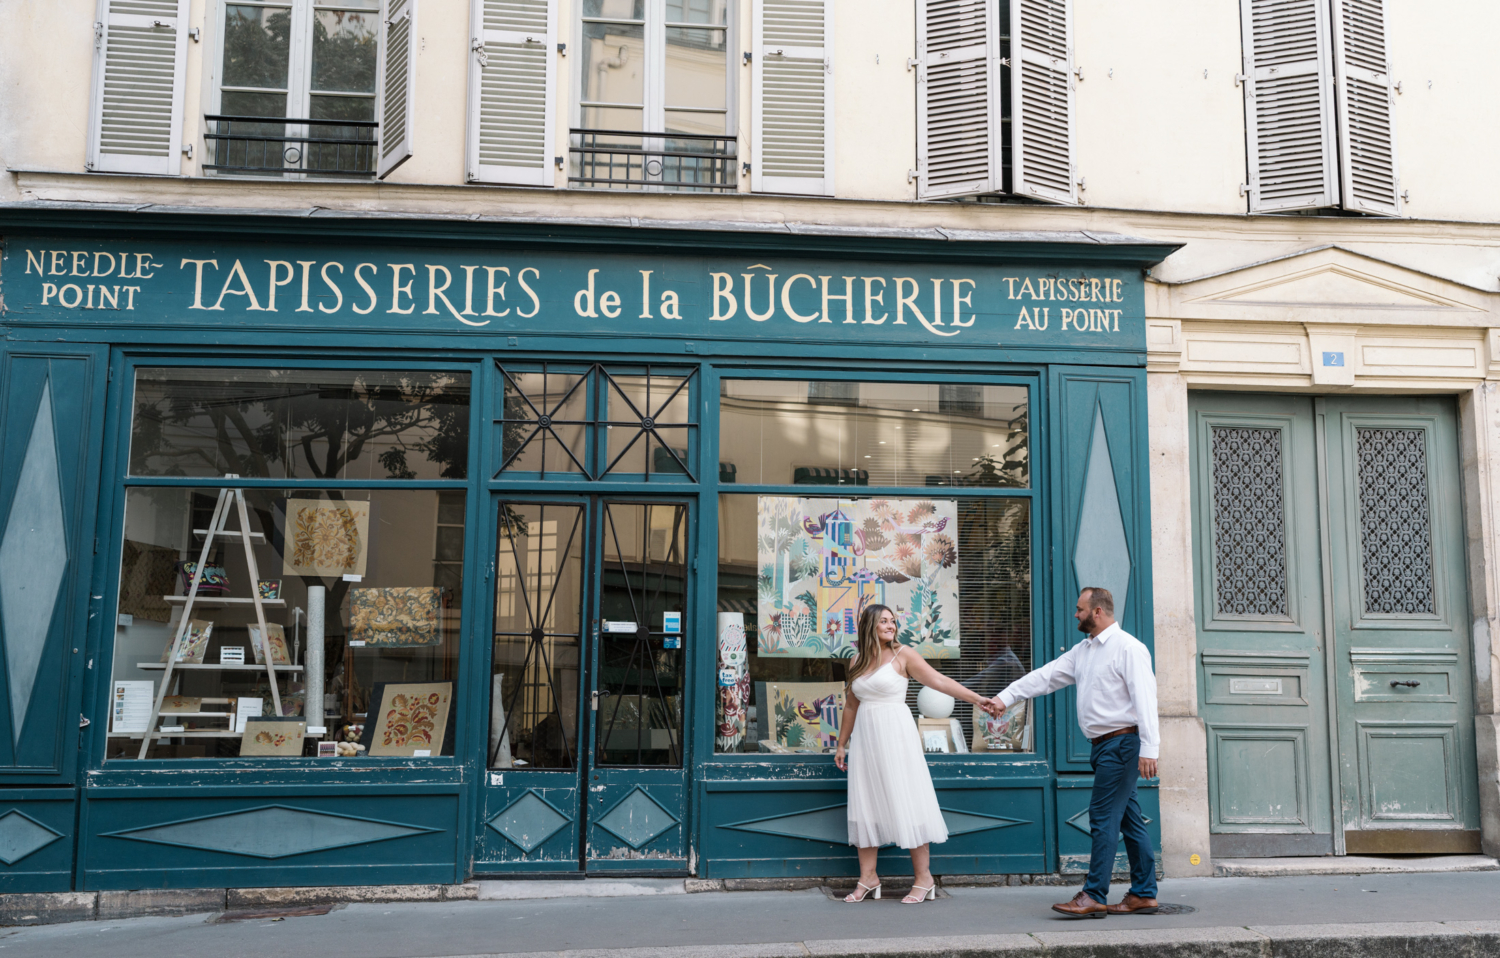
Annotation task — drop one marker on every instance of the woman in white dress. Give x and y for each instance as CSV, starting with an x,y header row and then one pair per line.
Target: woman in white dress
x,y
891,799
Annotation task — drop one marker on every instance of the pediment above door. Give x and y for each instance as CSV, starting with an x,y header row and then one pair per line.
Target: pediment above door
x,y
1325,284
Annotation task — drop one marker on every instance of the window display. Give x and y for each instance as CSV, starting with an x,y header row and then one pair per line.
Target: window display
x,y
261,621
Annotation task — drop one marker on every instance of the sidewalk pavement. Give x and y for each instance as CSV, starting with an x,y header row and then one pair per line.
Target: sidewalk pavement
x,y
1433,915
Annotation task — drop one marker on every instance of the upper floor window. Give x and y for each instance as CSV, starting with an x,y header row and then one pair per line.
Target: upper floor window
x,y
654,67
308,63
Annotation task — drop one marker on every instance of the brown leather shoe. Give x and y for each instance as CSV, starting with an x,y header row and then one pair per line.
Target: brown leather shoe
x,y
1082,906
1133,904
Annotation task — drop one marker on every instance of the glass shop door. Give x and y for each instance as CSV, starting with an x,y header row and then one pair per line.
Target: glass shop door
x,y
586,688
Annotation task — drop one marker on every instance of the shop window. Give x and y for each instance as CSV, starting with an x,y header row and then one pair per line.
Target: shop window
x,y
300,424
874,434
294,619
589,422
794,573
797,567
296,88
361,629
655,86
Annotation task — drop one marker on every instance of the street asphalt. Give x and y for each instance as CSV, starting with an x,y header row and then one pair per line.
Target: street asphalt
x,y
805,922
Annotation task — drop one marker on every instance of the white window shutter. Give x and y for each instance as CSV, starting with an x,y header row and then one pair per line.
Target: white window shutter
x,y
1041,97
512,91
958,98
140,61
1289,128
1367,135
791,97
396,85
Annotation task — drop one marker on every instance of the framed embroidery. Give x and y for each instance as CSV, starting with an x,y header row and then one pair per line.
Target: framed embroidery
x,y
326,537
181,703
194,643
1004,734
269,736
822,561
279,654
806,715
269,588
396,616
411,718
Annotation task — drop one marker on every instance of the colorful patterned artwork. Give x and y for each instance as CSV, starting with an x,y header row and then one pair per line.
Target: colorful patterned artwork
x,y
396,616
326,537
214,581
822,561
733,683
273,737
194,644
411,718
806,715
279,653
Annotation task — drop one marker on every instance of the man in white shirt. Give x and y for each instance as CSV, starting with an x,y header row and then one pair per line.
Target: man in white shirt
x,y
1117,711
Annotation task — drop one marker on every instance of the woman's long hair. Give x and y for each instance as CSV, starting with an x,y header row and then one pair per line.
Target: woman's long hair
x,y
867,656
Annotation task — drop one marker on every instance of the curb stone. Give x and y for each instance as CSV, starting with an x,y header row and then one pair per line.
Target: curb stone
x,y
51,908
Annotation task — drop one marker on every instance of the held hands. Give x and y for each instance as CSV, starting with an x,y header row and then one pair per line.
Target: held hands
x,y
994,708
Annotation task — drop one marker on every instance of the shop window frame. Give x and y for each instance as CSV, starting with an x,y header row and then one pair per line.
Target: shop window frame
x,y
114,488
1037,492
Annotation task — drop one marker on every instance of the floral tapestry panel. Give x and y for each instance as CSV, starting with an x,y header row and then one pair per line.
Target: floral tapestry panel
x,y
396,616
412,718
823,561
326,538
272,737
194,644
1004,734
806,716
279,654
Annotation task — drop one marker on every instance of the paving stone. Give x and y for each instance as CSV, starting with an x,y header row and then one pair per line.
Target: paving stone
x,y
778,884
468,891
695,885
48,908
159,901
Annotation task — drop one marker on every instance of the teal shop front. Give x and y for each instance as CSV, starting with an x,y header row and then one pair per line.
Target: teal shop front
x,y
368,551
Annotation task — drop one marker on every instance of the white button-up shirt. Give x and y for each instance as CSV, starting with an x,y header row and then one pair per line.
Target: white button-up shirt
x,y
1116,687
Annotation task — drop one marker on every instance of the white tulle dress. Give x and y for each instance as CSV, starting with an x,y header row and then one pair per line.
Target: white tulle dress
x,y
891,799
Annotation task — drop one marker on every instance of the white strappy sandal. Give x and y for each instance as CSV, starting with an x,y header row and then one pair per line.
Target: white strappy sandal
x,y
920,894
862,891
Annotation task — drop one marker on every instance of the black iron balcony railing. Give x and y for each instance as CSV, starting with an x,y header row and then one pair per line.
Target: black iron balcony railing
x,y
250,144
683,162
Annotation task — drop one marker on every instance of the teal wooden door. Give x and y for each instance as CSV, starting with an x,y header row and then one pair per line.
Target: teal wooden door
x,y
1401,653
51,430
1263,682
586,766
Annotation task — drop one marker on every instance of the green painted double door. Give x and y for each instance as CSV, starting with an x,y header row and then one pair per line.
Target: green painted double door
x,y
1335,681
585,768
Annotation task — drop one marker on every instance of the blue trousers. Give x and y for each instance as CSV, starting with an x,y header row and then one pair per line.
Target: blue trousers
x,y
1115,813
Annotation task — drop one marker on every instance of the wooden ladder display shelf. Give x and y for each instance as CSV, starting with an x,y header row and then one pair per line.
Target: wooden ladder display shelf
x,y
228,499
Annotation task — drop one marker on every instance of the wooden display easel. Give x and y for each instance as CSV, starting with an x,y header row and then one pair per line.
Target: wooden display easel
x,y
228,498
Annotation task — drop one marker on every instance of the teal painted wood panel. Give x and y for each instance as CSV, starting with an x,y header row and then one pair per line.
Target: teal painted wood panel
x,y
768,828
276,837
37,839
1407,753
1075,841
530,822
1101,522
637,820
50,437
1258,603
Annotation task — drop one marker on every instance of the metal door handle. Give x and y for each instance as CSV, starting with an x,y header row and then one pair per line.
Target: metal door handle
x,y
596,694
1410,685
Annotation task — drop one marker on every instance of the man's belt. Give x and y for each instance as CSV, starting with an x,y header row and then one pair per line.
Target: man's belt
x,y
1127,730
